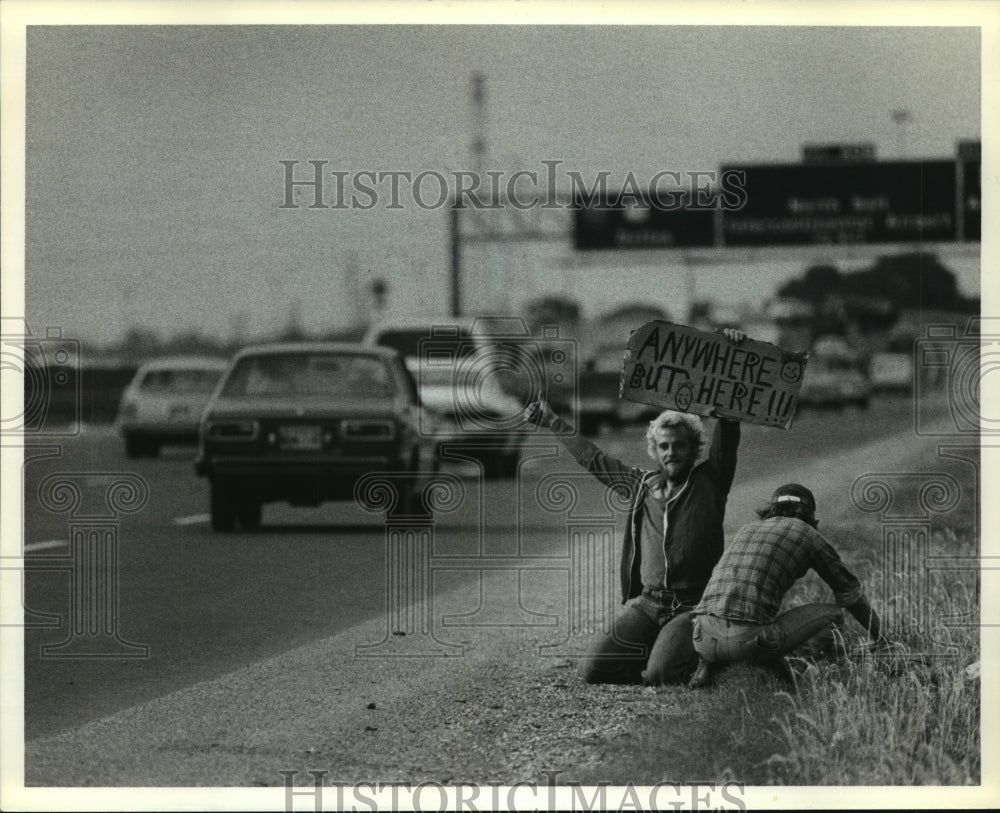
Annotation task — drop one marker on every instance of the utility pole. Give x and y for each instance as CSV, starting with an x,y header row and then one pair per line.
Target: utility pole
x,y
479,123
456,260
901,117
478,159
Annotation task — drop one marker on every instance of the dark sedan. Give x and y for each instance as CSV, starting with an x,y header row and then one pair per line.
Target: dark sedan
x,y
301,423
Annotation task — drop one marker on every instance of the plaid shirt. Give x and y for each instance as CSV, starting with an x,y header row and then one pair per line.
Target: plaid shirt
x,y
763,561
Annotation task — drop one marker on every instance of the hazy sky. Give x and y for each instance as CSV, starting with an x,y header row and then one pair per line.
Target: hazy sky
x,y
154,182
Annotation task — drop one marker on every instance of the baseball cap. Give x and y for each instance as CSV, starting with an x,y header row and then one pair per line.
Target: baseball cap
x,y
793,492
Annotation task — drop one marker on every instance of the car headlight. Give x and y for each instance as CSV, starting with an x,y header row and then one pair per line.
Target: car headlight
x,y
367,429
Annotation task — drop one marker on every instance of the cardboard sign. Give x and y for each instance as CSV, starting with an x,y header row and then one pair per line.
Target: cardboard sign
x,y
677,367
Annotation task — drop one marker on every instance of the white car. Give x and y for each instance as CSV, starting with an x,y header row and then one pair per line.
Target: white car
x,y
891,372
463,379
834,382
163,403
833,347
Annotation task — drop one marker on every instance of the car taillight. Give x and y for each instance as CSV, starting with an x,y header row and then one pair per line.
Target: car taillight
x,y
367,429
129,409
232,430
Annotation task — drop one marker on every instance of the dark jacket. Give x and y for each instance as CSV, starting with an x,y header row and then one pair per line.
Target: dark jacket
x,y
694,538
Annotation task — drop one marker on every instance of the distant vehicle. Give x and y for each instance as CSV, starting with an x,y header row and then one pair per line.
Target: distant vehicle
x,y
302,422
163,403
409,335
834,382
833,376
600,382
832,346
891,372
471,393
763,331
613,328
785,310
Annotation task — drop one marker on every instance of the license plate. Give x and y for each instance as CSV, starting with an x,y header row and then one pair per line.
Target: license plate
x,y
300,437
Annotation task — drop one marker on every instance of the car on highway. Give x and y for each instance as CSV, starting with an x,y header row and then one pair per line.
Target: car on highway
x,y
891,372
600,382
162,404
303,422
835,376
467,377
832,346
834,382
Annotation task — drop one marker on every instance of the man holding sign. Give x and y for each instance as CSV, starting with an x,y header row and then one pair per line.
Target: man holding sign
x,y
672,540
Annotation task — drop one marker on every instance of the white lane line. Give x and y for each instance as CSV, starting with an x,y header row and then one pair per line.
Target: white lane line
x,y
194,519
50,543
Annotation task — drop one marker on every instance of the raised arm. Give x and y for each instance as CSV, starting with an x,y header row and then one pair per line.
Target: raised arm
x,y
609,470
722,453
726,437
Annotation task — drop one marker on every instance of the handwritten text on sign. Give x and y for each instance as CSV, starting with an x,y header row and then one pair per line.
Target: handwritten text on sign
x,y
678,367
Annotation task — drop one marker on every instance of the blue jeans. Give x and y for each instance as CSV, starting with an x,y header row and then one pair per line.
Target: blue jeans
x,y
719,640
650,643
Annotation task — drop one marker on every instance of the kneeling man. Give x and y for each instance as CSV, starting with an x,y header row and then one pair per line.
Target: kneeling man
x,y
737,617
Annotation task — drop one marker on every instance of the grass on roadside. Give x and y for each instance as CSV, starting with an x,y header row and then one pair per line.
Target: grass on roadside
x,y
911,717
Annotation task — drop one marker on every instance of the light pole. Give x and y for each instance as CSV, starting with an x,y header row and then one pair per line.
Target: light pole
x,y
901,117
454,222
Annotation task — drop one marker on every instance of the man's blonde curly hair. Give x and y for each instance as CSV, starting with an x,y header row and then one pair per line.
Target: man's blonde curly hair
x,y
671,419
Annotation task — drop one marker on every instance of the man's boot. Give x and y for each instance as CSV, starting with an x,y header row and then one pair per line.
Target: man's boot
x,y
702,675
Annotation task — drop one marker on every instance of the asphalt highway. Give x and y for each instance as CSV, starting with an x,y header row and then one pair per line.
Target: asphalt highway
x,y
206,604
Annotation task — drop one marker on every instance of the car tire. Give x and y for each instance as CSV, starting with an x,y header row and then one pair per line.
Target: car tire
x,y
133,447
411,504
222,506
248,511
411,501
493,467
137,446
501,466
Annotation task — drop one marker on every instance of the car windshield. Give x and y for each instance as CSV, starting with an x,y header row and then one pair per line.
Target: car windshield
x,y
177,381
310,374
